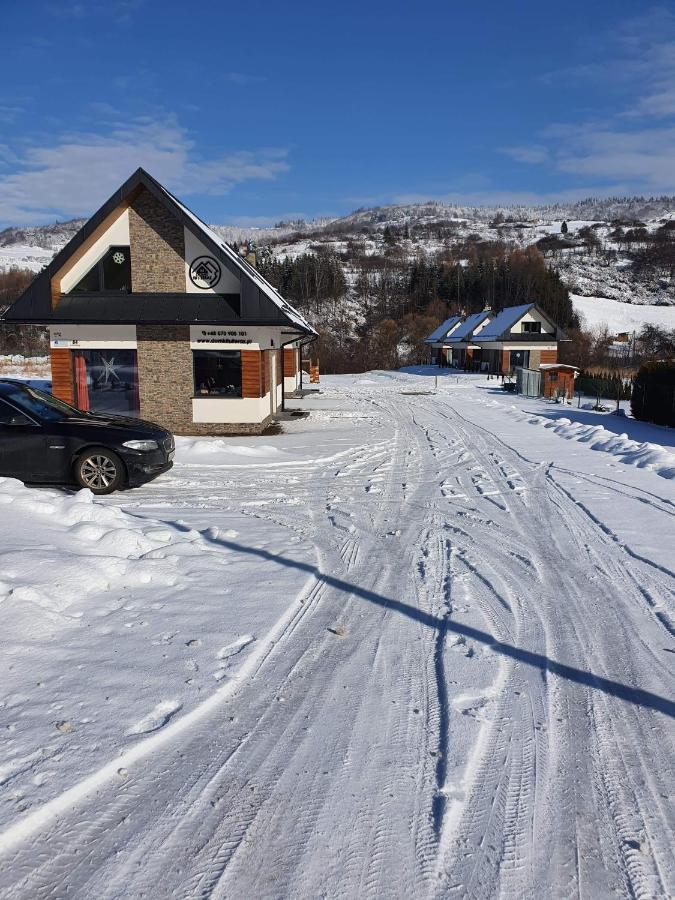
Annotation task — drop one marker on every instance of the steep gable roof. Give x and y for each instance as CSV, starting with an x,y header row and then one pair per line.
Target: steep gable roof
x,y
504,321
469,325
443,330
35,305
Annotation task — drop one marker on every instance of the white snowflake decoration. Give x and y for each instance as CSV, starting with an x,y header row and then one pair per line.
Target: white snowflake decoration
x,y
118,258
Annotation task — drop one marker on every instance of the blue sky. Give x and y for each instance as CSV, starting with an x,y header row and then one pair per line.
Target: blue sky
x,y
253,113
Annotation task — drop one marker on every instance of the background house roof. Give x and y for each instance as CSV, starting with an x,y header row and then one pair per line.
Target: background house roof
x,y
469,325
504,321
443,330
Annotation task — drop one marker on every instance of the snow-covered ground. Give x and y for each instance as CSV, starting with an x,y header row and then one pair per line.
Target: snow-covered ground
x,y
622,316
25,367
417,645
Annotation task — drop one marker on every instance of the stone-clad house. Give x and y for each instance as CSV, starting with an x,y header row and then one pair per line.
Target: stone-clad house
x,y
151,314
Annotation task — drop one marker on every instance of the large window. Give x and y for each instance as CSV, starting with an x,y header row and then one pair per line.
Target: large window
x,y
111,273
106,381
217,373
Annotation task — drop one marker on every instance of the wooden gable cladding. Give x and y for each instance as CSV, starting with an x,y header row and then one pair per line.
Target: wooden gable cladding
x,y
78,253
251,373
62,375
549,356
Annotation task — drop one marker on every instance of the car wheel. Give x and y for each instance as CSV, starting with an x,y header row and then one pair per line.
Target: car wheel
x,y
100,470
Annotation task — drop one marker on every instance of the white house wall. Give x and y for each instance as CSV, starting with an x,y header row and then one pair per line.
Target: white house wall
x,y
517,345
532,316
116,235
93,337
230,410
482,325
228,282
233,337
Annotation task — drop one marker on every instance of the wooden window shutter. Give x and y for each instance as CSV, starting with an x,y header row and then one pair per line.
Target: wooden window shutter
x,y
62,375
251,373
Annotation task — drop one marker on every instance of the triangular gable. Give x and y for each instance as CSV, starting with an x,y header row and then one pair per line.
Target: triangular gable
x,y
443,330
504,321
36,303
469,325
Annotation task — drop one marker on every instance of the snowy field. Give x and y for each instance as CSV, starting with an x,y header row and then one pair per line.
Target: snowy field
x,y
622,316
418,645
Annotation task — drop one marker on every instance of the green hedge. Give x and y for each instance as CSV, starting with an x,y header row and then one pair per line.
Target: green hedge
x,y
606,384
653,397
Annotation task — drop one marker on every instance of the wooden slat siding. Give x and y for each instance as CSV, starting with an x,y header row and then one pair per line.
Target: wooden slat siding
x,y
62,375
251,373
267,371
506,362
549,356
289,362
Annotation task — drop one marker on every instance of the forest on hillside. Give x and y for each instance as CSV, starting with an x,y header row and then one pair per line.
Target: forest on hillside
x,y
375,310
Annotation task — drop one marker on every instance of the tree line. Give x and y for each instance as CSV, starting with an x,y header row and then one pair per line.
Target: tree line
x,y
375,310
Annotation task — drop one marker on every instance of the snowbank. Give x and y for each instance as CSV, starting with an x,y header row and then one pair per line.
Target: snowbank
x,y
641,454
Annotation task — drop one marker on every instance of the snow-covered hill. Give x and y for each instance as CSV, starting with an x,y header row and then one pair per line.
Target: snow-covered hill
x,y
592,260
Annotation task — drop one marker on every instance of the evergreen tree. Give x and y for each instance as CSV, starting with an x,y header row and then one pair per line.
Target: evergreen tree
x,y
563,228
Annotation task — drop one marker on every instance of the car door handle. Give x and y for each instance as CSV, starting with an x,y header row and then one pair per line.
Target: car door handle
x,y
57,446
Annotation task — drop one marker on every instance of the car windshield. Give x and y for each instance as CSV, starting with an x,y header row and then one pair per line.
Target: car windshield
x,y
39,404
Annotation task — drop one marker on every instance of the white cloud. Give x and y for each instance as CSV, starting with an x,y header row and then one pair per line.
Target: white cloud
x,y
529,153
635,145
74,175
644,158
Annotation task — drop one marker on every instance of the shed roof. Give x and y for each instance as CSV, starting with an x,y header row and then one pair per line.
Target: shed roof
x,y
558,366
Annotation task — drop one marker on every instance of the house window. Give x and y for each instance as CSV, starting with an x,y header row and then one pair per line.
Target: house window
x,y
106,381
532,327
111,273
217,373
519,358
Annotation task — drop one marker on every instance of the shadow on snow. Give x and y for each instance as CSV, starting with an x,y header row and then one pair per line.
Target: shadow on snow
x,y
537,660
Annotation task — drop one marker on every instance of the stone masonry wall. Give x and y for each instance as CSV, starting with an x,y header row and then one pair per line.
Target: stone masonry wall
x,y
157,247
165,383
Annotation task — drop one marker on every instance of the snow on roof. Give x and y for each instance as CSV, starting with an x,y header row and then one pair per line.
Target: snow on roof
x,y
558,366
443,330
469,325
504,321
244,265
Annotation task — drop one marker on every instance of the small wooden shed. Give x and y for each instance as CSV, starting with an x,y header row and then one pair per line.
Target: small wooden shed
x,y
557,380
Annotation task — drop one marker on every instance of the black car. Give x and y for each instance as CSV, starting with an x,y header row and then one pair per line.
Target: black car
x,y
43,439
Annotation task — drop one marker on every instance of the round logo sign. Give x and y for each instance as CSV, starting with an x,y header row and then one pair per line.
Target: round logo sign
x,y
204,272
